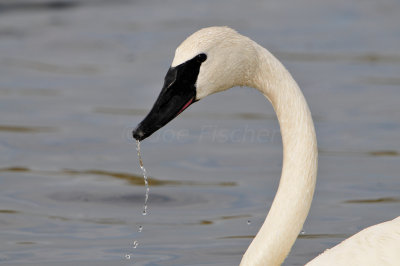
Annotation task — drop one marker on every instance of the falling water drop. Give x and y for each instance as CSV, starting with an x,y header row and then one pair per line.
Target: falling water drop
x,y
135,244
248,222
302,232
128,256
146,181
140,229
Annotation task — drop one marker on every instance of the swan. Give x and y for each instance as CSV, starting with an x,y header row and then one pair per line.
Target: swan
x,y
215,59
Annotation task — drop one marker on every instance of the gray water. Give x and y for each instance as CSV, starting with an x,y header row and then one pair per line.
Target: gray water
x,y
77,76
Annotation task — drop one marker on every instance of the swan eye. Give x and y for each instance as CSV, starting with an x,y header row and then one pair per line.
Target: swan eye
x,y
201,57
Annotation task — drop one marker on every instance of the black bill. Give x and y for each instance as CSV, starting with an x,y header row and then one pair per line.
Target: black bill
x,y
177,94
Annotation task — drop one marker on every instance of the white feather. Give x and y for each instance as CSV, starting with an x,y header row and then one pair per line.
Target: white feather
x,y
235,60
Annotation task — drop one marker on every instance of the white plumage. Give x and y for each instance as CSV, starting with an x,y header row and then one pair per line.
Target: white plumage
x,y
235,60
375,245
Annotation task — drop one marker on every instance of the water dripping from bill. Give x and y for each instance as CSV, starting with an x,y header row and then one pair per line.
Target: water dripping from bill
x,y
146,181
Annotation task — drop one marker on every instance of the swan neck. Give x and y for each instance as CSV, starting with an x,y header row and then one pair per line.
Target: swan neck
x,y
292,201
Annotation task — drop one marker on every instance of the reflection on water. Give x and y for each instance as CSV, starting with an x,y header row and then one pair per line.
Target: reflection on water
x,y
323,236
76,75
105,221
382,153
36,5
372,201
25,129
9,211
132,179
50,5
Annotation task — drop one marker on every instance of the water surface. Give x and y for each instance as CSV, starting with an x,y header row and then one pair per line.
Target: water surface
x,y
77,76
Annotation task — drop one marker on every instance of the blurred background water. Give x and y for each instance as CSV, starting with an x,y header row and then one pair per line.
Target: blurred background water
x,y
76,76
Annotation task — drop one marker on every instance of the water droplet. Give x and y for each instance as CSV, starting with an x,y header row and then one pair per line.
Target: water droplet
x,y
140,229
128,256
302,232
135,244
248,222
146,181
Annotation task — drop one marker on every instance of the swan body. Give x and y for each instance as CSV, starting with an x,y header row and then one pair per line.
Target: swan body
x,y
376,245
217,58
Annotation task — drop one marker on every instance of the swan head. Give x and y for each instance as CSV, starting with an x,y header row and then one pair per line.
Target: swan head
x,y
209,61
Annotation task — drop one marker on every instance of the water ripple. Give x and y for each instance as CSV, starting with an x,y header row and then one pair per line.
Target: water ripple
x,y
376,200
132,179
25,129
